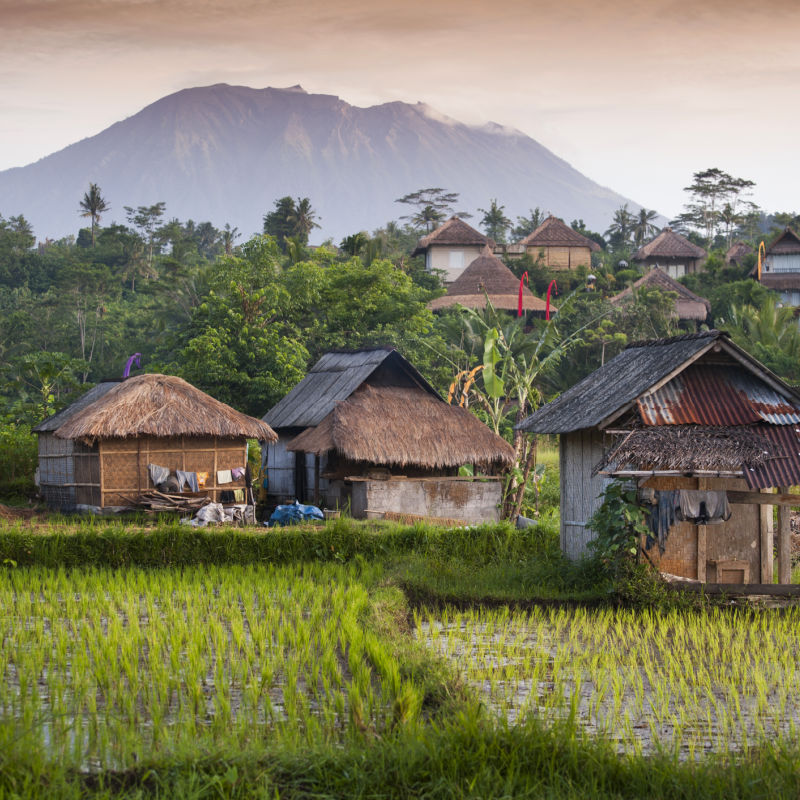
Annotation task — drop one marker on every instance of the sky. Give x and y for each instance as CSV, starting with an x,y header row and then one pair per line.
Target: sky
x,y
637,95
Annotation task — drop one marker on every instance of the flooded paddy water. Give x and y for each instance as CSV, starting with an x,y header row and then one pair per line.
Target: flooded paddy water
x,y
688,684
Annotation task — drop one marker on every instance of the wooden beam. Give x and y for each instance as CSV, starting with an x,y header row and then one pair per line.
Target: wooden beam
x,y
784,542
783,498
765,524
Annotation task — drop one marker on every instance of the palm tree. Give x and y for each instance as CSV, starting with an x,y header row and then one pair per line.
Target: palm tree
x,y
495,223
229,235
93,205
643,227
621,228
303,219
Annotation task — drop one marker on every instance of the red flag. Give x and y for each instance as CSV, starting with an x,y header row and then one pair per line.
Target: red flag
x,y
523,278
553,285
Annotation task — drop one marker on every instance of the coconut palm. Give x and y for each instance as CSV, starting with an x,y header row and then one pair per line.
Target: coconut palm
x,y
303,219
93,205
643,227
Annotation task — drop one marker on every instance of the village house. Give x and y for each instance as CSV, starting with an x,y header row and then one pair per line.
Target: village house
x,y
488,276
737,252
673,253
693,413
451,248
781,268
558,246
364,429
97,451
687,308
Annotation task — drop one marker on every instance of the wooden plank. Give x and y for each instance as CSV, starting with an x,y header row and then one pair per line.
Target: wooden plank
x,y
783,498
784,541
765,525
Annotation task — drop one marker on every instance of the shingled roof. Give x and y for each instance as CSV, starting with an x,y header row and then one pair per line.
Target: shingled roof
x,y
786,244
669,244
333,379
636,370
553,232
488,275
688,305
453,232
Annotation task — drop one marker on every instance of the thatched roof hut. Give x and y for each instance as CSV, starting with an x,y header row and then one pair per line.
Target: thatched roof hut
x,y
97,451
403,427
160,405
692,412
488,275
688,305
554,232
370,410
737,252
674,253
455,232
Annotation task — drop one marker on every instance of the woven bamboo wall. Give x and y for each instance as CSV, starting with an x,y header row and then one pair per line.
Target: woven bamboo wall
x,y
69,472
123,463
563,257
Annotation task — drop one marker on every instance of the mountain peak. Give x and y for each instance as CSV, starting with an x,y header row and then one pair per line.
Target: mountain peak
x,y
225,153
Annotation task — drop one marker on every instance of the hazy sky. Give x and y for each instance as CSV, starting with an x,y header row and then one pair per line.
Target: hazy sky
x,y
637,95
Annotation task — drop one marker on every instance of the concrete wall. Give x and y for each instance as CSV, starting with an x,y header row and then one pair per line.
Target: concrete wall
x,y
473,501
450,258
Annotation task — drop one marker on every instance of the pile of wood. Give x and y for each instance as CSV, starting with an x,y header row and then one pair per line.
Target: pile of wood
x,y
155,501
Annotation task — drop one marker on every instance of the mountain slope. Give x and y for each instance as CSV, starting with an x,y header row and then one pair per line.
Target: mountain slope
x,y
226,153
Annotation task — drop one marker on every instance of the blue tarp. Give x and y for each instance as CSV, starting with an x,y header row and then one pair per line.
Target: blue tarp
x,y
294,513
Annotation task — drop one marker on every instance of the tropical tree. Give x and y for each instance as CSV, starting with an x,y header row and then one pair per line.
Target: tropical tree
x,y
229,236
432,206
93,205
620,230
643,226
145,220
303,219
527,225
495,223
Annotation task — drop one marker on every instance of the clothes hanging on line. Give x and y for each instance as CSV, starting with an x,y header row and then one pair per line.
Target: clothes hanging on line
x,y
662,518
237,472
703,507
226,496
202,479
238,496
157,474
187,479
224,476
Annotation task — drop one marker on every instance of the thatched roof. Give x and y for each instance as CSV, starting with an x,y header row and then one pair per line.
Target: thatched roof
x,y
691,447
454,232
160,405
781,281
669,244
335,377
788,243
487,274
688,305
57,420
553,232
395,426
737,251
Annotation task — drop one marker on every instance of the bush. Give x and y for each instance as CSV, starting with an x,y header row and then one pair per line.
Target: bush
x,y
18,458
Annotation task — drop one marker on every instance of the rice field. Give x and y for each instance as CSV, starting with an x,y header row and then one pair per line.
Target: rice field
x,y
104,668
681,684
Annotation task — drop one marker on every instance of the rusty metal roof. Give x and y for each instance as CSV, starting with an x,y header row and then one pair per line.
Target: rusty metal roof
x,y
705,394
777,471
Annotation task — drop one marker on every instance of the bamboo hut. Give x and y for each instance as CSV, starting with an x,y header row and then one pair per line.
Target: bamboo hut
x,y
692,413
488,276
451,247
117,429
688,307
559,246
365,428
674,253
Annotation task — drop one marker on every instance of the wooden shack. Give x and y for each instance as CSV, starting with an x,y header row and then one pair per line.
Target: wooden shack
x,y
688,307
488,276
364,429
673,253
558,246
692,412
97,451
451,248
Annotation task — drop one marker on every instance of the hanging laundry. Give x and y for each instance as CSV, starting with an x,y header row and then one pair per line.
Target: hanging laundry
x,y
703,507
226,496
187,479
662,518
157,474
202,479
248,477
237,473
224,476
238,495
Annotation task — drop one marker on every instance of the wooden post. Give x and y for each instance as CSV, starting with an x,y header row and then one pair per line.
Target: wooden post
x,y
784,542
316,479
765,519
702,540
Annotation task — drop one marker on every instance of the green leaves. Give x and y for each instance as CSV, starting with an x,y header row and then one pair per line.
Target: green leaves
x,y
492,382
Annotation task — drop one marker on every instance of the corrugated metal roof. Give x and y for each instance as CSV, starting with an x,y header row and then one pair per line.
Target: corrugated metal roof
x,y
57,420
707,394
333,379
617,383
777,471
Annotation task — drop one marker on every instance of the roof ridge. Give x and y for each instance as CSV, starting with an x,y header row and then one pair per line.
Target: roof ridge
x,y
712,334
